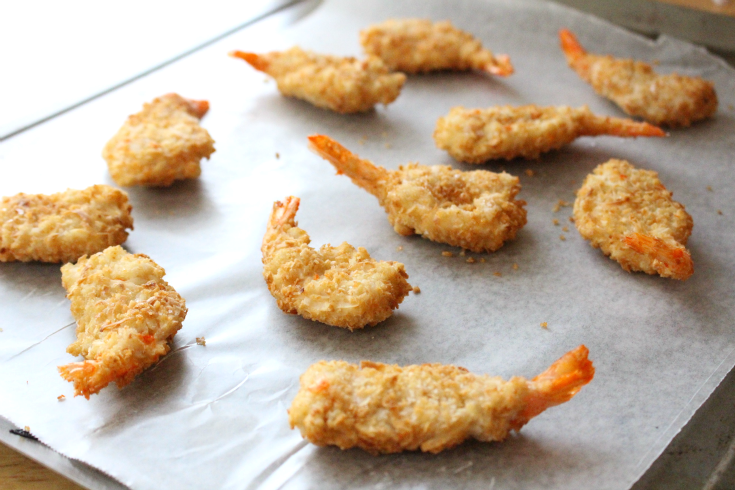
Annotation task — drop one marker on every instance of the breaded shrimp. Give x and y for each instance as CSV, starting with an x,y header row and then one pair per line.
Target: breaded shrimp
x,y
384,408
126,316
419,45
340,286
473,210
344,85
64,226
629,214
478,135
162,143
670,100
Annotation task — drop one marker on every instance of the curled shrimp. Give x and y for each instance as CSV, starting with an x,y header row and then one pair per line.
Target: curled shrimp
x,y
473,210
630,216
478,135
344,85
340,286
419,45
385,408
671,100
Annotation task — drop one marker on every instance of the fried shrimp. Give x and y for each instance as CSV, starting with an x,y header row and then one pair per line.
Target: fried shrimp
x,y
340,286
478,135
672,100
162,143
473,210
629,214
126,315
385,408
64,226
344,85
418,45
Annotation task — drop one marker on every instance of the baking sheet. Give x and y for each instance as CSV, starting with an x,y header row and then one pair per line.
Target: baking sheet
x,y
215,415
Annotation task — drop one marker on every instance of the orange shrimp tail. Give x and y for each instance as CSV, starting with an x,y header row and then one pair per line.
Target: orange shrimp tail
x,y
362,172
557,385
256,61
283,214
570,45
668,261
626,128
502,66
81,374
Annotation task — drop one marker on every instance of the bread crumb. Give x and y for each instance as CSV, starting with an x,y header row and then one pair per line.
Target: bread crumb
x,y
709,188
61,398
387,146
462,253
560,205
718,212
529,172
416,290
201,341
544,325
278,155
556,222
497,274
27,428
384,134
447,254
471,260
562,237
399,248
266,80
515,267
571,219
482,260
565,228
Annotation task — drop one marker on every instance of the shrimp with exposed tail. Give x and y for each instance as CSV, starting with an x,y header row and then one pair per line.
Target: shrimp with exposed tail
x,y
629,214
478,135
340,286
671,100
419,45
385,408
473,210
344,85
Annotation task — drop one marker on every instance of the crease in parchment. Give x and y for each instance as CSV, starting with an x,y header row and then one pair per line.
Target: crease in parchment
x,y
273,469
42,340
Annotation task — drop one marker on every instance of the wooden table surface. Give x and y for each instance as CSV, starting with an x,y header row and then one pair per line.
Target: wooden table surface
x,y
18,472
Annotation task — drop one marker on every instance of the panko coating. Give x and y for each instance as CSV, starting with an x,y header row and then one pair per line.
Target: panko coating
x,y
341,84
671,100
162,143
629,214
474,210
126,316
478,135
340,286
385,408
64,226
419,45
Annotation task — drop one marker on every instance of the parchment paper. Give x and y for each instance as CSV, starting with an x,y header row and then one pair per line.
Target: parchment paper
x,y
214,416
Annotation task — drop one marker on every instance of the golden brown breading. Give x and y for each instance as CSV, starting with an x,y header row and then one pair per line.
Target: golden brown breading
x,y
478,135
671,100
419,45
473,210
162,143
344,85
384,408
126,316
629,214
64,226
340,286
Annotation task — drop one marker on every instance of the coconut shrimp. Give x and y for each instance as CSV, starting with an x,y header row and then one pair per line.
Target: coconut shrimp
x,y
126,316
385,408
473,210
340,286
671,100
418,45
629,214
160,144
478,135
344,85
64,226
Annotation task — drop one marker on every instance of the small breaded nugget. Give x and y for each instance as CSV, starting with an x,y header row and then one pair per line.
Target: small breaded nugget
x,y
670,100
126,316
478,135
419,45
343,85
629,214
64,226
340,286
162,143
474,210
385,408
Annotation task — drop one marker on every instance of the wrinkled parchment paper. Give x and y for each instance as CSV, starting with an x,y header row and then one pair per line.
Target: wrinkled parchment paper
x,y
214,416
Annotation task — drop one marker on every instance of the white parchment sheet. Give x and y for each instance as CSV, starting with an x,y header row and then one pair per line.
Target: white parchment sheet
x,y
214,416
